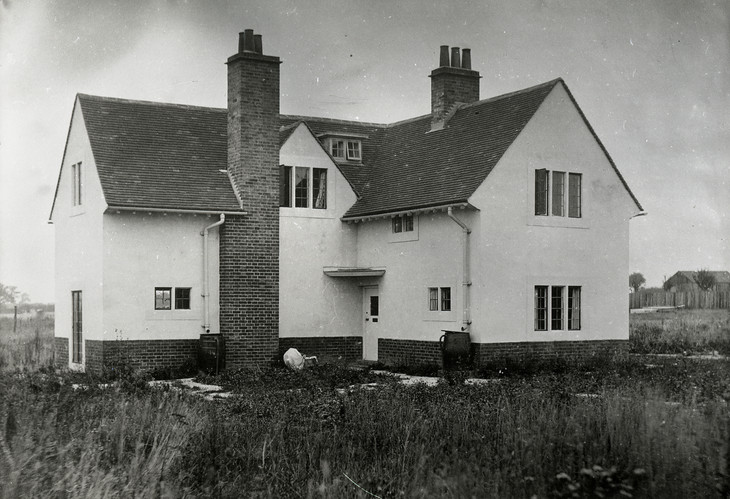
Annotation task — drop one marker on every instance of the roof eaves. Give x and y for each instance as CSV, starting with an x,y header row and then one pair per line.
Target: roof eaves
x,y
462,204
63,157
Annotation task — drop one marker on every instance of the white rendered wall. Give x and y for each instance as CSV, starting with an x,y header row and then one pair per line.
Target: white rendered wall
x,y
513,250
311,303
78,231
433,259
145,250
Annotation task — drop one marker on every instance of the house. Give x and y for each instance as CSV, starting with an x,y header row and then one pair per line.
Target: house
x,y
685,281
505,218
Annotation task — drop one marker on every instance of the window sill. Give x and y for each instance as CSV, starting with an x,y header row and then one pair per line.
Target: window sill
x,y
306,212
561,222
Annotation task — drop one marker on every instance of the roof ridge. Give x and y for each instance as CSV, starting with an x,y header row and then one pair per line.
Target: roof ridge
x,y
102,98
331,120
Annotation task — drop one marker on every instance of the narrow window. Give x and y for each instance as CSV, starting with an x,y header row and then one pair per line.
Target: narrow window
x,y
541,192
574,195
76,180
574,308
319,183
182,298
353,150
541,308
337,148
407,223
559,194
556,308
285,186
301,188
162,298
397,224
76,327
445,299
433,299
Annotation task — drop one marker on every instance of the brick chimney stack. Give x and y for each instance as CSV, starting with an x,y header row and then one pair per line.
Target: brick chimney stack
x,y
249,244
452,83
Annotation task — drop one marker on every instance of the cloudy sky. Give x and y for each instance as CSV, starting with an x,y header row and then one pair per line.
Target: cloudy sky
x,y
652,76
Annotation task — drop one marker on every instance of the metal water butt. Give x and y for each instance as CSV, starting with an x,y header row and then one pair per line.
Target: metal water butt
x,y
212,354
455,348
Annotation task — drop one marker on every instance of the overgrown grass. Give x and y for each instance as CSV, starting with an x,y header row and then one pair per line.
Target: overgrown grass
x,y
514,437
31,345
681,332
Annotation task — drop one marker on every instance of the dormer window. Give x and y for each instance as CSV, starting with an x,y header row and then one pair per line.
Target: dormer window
x,y
345,149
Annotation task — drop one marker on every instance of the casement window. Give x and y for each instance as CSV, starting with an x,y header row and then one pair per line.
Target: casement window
x,y
402,223
303,187
439,299
347,149
556,309
167,298
77,184
76,327
552,201
182,298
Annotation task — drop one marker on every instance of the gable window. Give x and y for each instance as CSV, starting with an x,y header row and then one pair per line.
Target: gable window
x,y
303,187
77,183
439,299
402,223
553,200
182,298
550,302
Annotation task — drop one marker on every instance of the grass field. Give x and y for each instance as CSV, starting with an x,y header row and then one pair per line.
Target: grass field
x,y
681,331
638,428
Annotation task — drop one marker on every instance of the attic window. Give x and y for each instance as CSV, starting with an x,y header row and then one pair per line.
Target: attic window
x,y
552,201
347,149
77,183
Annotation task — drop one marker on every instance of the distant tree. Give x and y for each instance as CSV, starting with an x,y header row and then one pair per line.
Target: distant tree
x,y
8,295
666,285
636,280
705,280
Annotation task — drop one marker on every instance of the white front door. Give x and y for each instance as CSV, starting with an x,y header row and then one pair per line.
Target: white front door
x,y
371,323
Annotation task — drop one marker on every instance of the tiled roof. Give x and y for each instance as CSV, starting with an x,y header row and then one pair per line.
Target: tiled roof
x,y
153,155
171,156
721,276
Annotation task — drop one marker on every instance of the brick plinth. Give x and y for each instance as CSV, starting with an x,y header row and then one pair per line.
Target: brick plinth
x,y
412,352
327,349
60,351
139,354
408,352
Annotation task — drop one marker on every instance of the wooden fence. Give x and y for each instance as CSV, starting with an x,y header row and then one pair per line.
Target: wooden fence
x,y
689,299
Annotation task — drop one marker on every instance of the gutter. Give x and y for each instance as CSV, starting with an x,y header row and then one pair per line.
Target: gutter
x,y
465,272
173,210
206,283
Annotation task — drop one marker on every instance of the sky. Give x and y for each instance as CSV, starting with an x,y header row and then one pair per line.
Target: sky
x,y
651,76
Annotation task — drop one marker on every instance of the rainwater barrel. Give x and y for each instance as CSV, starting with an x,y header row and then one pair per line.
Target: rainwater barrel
x,y
455,349
212,353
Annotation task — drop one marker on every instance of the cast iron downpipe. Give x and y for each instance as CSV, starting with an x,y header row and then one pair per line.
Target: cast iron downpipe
x,y
206,284
466,277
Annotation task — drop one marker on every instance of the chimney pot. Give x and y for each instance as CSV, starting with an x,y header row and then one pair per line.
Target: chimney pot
x,y
455,59
248,43
466,58
241,37
258,44
444,56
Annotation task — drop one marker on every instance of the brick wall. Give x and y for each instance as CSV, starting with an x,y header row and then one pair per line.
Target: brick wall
x,y
327,349
451,85
139,354
249,244
408,352
60,351
395,352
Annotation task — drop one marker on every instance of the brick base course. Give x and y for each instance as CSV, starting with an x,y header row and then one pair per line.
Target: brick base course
x,y
327,349
140,354
60,351
412,352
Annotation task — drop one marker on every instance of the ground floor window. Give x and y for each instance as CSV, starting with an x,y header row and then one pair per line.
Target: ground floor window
x,y
163,298
439,299
551,310
76,327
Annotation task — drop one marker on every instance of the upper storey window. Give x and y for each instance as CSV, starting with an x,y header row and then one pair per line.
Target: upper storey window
x,y
77,184
558,194
345,149
303,187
